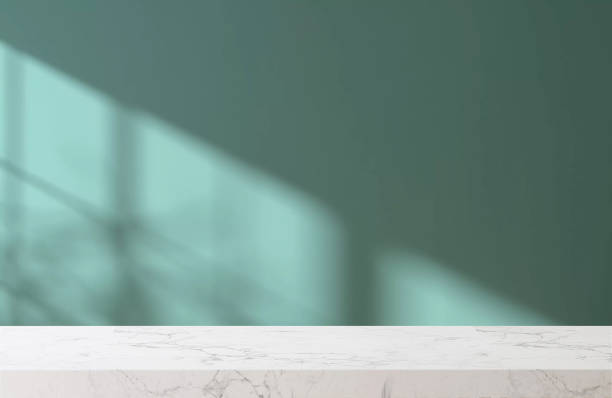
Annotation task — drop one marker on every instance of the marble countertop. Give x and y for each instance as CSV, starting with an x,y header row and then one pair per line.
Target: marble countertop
x,y
305,348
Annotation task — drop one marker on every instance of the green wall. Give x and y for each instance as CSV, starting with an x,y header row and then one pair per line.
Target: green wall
x,y
305,162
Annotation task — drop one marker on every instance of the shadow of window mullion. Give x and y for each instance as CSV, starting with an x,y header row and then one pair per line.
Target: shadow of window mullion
x,y
129,306
14,210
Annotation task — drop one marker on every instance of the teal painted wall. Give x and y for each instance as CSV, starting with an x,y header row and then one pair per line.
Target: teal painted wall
x,y
305,162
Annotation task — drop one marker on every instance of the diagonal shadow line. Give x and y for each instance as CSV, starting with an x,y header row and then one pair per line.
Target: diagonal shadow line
x,y
84,208
154,239
57,315
68,199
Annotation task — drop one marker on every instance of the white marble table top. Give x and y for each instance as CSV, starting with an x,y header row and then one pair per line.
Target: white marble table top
x,y
305,348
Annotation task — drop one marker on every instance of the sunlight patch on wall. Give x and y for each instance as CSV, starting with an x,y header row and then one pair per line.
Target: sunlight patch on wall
x,y
416,290
65,131
264,249
127,219
63,270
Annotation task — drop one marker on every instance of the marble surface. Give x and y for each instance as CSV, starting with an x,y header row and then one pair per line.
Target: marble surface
x,y
307,384
300,348
306,362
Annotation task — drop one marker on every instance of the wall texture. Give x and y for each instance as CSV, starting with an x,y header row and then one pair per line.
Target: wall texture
x,y
311,162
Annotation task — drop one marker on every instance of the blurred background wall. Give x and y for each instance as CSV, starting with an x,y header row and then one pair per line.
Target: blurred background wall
x,y
305,162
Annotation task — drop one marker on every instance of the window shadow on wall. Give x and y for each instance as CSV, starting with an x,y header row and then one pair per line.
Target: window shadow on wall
x,y
476,137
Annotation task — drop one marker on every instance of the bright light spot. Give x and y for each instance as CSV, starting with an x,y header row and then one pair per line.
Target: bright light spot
x,y
414,289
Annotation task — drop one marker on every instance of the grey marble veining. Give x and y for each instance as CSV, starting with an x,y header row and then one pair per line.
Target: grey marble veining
x,y
303,384
275,362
